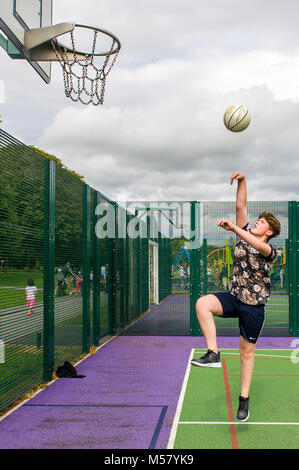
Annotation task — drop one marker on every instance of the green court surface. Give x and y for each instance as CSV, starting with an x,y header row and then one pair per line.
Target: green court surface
x,y
206,411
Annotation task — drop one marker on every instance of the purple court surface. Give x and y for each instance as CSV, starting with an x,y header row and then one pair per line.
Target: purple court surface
x,y
127,399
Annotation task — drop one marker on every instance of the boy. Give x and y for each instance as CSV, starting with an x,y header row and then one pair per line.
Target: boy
x,y
249,290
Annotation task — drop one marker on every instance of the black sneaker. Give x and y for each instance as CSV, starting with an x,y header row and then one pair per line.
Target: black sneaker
x,y
243,410
210,359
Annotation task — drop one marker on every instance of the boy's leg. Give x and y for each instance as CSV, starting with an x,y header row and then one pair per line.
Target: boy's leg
x,y
247,350
206,307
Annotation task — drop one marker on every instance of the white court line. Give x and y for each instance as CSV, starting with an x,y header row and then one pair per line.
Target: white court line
x,y
256,355
176,421
179,405
232,349
238,422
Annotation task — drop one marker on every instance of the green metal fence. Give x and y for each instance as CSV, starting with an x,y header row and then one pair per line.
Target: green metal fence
x,y
142,278
292,246
218,248
48,220
22,217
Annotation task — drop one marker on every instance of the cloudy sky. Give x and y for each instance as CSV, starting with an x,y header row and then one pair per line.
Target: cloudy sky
x,y
160,133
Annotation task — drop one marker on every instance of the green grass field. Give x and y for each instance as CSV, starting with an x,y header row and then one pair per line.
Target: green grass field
x,y
205,417
20,278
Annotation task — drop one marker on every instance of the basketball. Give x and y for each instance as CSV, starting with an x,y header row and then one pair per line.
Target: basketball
x,y
236,118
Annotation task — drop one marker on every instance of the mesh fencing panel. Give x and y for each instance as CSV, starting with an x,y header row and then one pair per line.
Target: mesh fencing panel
x,y
21,253
68,312
172,311
158,275
218,252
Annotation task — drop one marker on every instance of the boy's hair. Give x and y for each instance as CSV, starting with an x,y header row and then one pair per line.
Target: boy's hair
x,y
30,282
273,222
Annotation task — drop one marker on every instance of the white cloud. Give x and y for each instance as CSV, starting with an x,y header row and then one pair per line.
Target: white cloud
x,y
176,149
160,133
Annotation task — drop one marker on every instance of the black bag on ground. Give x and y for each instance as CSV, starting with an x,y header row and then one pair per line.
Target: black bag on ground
x,y
68,371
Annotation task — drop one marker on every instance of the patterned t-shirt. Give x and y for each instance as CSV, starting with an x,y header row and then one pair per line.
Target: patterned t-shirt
x,y
250,280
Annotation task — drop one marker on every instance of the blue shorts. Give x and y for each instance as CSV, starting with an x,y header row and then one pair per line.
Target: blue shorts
x,y
251,317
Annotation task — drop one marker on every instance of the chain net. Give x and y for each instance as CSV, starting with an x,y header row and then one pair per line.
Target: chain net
x,y
85,79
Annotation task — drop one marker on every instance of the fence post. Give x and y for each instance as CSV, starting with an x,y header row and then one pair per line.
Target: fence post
x,y
204,262
49,260
86,269
127,277
292,260
145,276
96,330
138,262
195,268
121,263
111,275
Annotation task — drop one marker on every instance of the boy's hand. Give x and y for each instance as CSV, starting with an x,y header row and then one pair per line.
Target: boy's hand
x,y
226,224
236,176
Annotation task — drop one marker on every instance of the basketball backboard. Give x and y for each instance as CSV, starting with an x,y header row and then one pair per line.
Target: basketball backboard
x,y
18,16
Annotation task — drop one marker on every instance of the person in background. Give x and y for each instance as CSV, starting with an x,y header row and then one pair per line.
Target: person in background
x,y
79,282
65,270
30,295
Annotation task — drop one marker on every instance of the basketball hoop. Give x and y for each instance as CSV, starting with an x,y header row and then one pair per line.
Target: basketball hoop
x,y
85,72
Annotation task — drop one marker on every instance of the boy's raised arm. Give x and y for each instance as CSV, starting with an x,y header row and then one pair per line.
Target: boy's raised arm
x,y
241,199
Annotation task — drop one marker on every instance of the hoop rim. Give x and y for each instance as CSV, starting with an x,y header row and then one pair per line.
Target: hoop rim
x,y
95,28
